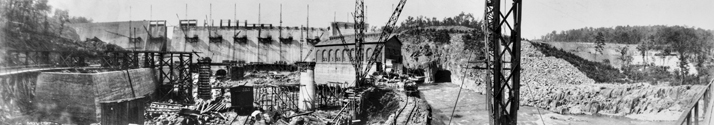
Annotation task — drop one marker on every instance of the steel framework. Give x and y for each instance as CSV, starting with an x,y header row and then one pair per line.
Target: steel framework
x,y
359,39
276,97
503,60
331,94
204,74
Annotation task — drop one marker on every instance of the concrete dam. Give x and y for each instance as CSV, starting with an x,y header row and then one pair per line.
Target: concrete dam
x,y
237,41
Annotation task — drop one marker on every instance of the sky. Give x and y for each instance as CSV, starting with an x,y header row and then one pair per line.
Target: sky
x,y
539,16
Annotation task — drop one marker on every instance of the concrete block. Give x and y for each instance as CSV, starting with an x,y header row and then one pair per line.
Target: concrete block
x,y
78,94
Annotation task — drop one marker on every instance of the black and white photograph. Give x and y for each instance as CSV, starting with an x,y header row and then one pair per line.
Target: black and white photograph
x,y
356,62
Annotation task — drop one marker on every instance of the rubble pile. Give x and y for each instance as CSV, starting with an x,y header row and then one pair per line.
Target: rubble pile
x,y
217,111
609,99
539,71
319,117
9,111
264,77
528,50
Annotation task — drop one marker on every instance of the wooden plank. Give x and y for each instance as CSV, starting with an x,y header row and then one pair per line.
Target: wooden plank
x,y
709,107
688,111
124,111
696,114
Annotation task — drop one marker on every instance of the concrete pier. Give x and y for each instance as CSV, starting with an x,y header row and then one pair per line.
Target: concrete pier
x,y
307,86
77,95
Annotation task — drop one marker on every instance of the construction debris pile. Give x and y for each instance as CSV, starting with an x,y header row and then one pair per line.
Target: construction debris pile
x,y
183,115
264,77
218,111
538,70
544,71
213,111
9,110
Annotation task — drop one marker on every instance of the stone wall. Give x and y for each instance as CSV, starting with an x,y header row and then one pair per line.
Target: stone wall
x,y
74,97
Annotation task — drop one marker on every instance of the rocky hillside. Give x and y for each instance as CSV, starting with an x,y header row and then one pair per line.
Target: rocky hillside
x,y
537,69
557,85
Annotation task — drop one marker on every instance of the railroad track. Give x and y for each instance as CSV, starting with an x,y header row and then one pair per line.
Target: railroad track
x,y
416,104
412,104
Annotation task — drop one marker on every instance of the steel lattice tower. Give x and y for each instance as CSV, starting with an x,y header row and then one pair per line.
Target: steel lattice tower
x,y
503,60
359,39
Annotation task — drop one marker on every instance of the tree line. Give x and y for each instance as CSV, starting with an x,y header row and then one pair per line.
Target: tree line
x,y
462,19
689,44
33,25
618,34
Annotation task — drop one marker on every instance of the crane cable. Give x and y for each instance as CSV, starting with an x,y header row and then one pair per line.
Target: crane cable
x,y
463,77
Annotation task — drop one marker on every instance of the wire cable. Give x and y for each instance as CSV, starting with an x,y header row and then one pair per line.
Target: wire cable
x,y
541,116
463,77
131,85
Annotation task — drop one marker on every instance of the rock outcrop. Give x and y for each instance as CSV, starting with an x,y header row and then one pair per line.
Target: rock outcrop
x,y
609,99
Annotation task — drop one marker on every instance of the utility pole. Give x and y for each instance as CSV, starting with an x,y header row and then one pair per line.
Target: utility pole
x,y
210,18
302,40
280,44
186,12
259,34
307,28
131,32
151,15
234,33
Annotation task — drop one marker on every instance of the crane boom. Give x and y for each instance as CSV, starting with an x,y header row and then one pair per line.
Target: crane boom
x,y
384,36
345,45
